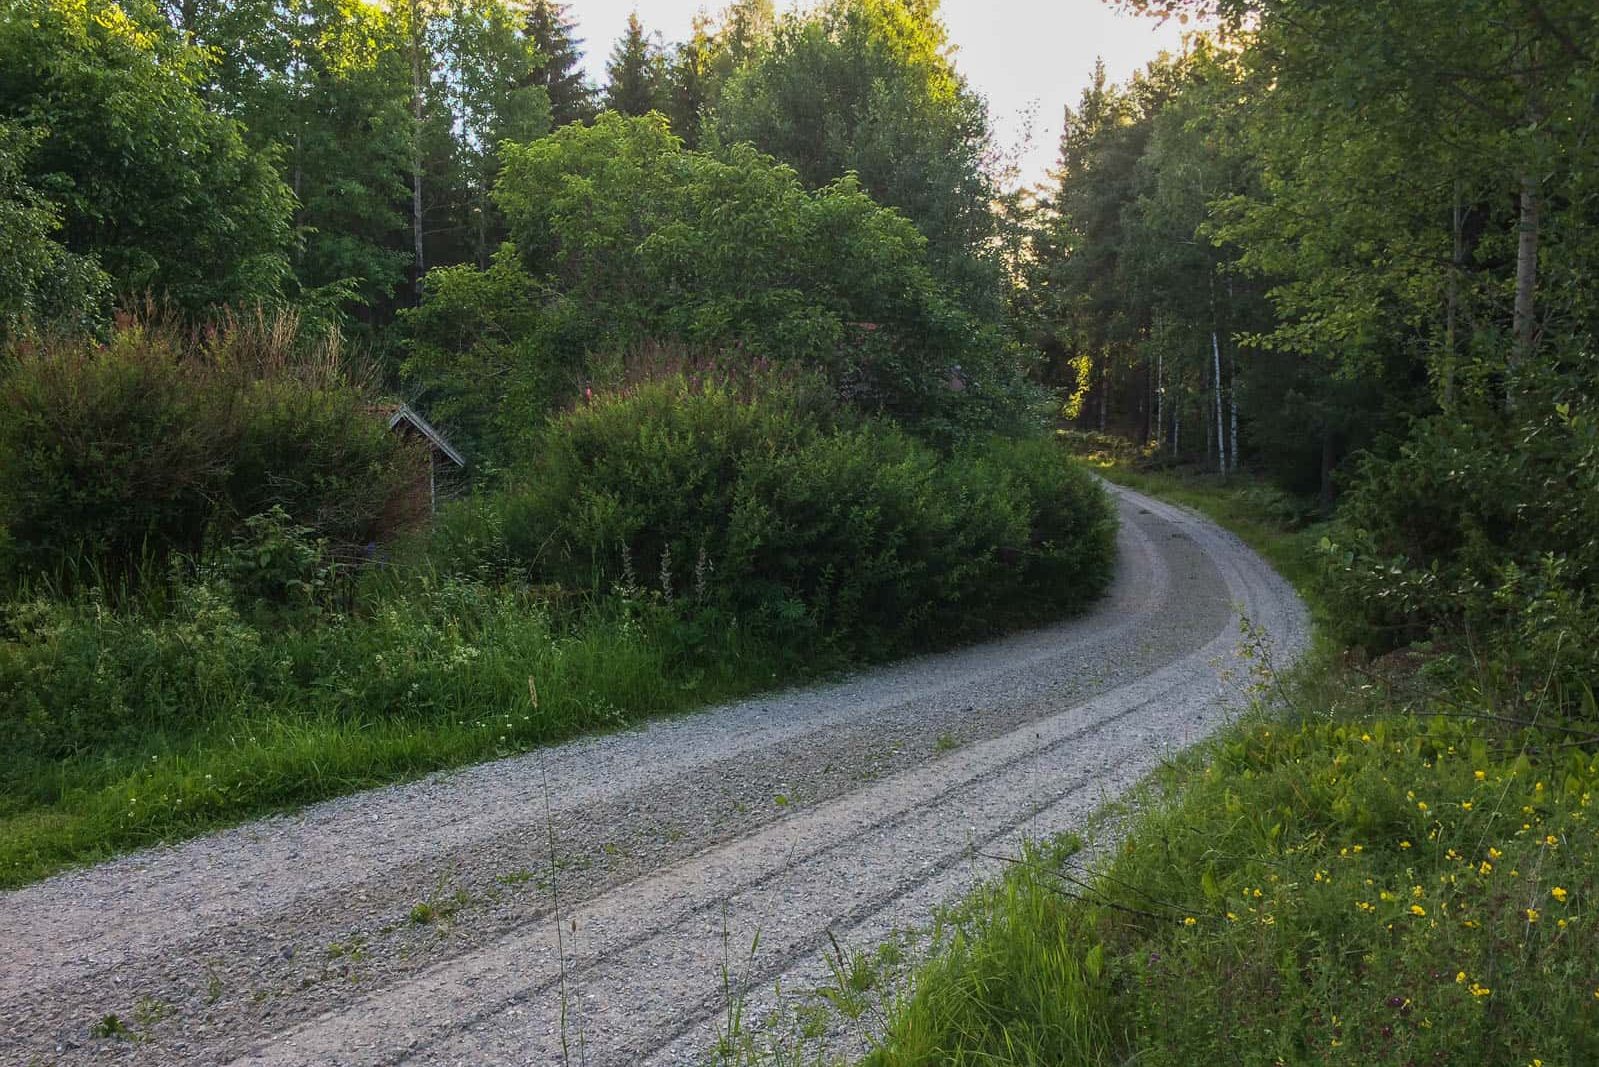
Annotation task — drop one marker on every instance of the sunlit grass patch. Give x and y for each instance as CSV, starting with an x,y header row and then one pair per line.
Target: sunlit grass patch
x,y
1389,891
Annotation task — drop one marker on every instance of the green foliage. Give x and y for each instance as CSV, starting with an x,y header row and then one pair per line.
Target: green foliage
x,y
320,451
41,284
559,68
476,341
113,457
161,191
865,87
845,531
273,560
637,72
130,726
1480,534
108,451
623,238
325,85
1388,891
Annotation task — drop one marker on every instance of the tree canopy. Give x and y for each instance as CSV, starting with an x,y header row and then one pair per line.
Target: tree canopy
x,y
139,172
622,237
867,87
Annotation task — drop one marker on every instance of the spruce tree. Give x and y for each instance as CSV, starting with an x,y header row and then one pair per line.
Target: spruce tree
x,y
560,72
689,84
636,72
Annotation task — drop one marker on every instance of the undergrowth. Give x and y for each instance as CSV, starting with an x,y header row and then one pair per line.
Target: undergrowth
x,y
127,730
675,546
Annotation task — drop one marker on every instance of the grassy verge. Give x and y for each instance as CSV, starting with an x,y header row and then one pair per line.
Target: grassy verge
x,y
265,678
202,718
1364,877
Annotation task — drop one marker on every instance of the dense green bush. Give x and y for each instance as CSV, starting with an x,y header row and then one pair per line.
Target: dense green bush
x,y
799,520
1484,533
105,452
113,457
320,453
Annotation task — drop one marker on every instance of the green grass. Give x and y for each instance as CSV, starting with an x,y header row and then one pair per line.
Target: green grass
x,y
130,731
1361,877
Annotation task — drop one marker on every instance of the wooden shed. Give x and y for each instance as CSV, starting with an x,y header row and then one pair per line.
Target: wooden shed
x,y
444,461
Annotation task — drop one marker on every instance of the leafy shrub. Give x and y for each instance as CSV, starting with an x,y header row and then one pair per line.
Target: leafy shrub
x,y
275,561
118,455
320,454
1480,531
106,451
77,675
796,520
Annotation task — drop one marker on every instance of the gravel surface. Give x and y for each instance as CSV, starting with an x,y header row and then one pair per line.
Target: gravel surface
x,y
596,893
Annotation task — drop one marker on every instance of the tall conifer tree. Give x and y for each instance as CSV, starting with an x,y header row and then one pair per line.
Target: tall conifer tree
x,y
636,72
560,72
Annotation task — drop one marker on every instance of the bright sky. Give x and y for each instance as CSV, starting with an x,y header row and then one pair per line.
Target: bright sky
x,y
1025,57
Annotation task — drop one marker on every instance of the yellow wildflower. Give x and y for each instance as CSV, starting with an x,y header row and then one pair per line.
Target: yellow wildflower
x,y
1190,921
1418,911
1480,775
1479,990
1559,893
1531,914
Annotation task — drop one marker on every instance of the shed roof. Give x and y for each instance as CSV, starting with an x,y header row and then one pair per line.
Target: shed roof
x,y
407,414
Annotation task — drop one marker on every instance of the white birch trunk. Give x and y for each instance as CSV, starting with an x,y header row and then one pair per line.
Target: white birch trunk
x,y
1232,403
1160,398
1221,440
418,43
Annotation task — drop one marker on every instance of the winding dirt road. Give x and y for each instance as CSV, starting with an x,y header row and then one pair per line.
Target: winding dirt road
x,y
420,924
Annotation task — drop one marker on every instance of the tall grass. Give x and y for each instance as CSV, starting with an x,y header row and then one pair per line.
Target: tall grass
x,y
128,729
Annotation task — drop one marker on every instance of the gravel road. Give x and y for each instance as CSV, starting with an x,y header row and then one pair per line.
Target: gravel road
x,y
596,891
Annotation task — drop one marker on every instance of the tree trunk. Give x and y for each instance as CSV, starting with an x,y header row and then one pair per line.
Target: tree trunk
x,y
1329,460
1176,430
1221,438
418,40
1160,397
1525,324
1457,260
1104,387
1232,403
